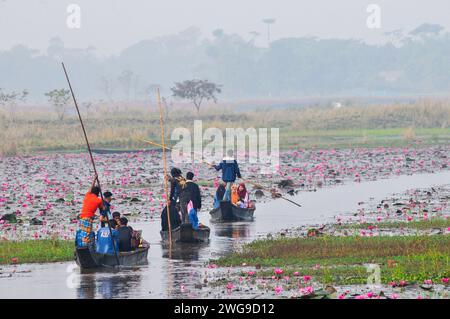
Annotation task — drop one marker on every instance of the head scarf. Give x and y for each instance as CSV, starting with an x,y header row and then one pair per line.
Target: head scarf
x,y
243,192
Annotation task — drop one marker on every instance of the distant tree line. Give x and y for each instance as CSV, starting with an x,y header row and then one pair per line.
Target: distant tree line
x,y
410,63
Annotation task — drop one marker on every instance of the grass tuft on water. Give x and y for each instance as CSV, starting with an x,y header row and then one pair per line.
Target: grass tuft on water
x,y
342,260
35,251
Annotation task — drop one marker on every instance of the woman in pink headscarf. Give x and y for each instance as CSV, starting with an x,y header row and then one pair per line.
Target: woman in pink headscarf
x,y
243,196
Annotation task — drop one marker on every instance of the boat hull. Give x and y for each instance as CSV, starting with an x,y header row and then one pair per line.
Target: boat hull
x,y
229,212
186,234
88,258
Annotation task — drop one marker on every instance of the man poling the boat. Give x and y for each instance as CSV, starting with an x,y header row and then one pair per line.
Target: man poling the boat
x,y
230,171
88,223
91,203
177,186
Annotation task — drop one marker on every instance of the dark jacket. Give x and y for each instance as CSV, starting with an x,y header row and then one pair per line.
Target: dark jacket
x,y
176,187
230,169
125,235
175,219
191,192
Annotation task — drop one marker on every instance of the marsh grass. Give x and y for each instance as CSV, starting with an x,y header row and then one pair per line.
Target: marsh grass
x,y
35,251
119,126
342,260
417,224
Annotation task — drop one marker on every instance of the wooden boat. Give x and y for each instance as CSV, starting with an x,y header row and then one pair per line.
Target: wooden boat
x,y
230,212
88,258
186,234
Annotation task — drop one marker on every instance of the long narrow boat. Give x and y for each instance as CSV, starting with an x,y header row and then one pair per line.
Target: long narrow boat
x,y
88,258
229,212
186,234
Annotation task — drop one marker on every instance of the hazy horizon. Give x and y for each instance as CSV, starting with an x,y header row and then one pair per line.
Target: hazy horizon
x,y
113,25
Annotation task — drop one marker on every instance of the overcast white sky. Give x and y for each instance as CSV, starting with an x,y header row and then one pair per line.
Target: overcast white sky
x,y
111,25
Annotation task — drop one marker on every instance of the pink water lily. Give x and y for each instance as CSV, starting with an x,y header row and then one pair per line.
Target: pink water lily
x,y
444,280
306,278
307,290
296,274
278,271
278,289
230,286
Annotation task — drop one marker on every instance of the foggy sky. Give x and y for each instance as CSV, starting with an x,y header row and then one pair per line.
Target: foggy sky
x,y
112,25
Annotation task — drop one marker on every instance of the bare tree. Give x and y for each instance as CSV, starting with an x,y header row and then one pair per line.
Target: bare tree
x,y
9,100
107,85
59,99
126,81
196,91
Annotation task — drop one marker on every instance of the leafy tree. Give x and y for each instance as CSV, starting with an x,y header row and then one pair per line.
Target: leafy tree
x,y
59,99
196,91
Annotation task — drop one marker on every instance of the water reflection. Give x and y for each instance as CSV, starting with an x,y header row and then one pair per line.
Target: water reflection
x,y
183,251
233,230
108,284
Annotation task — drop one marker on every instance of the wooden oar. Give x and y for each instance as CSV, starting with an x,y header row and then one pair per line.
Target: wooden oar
x,y
93,163
246,181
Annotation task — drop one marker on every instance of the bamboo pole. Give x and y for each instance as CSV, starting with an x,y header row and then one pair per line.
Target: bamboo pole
x,y
92,161
246,181
163,142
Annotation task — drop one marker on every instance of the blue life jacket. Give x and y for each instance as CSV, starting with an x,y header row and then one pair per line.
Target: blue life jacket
x,y
104,244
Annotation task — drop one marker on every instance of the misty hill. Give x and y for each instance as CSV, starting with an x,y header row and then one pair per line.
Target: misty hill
x,y
413,63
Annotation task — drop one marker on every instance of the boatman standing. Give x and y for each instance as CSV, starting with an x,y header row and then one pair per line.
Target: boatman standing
x,y
91,203
230,170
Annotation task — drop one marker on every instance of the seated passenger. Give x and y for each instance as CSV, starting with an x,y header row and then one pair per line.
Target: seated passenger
x,y
234,195
116,216
125,235
175,218
242,193
104,243
219,195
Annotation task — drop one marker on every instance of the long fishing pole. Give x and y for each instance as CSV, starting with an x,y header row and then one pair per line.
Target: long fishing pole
x,y
163,141
246,181
92,161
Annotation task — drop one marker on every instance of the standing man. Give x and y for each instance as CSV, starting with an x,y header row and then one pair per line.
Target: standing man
x,y
191,195
91,203
230,170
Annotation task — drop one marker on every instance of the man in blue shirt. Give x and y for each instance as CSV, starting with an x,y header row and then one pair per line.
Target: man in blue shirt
x,y
230,170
